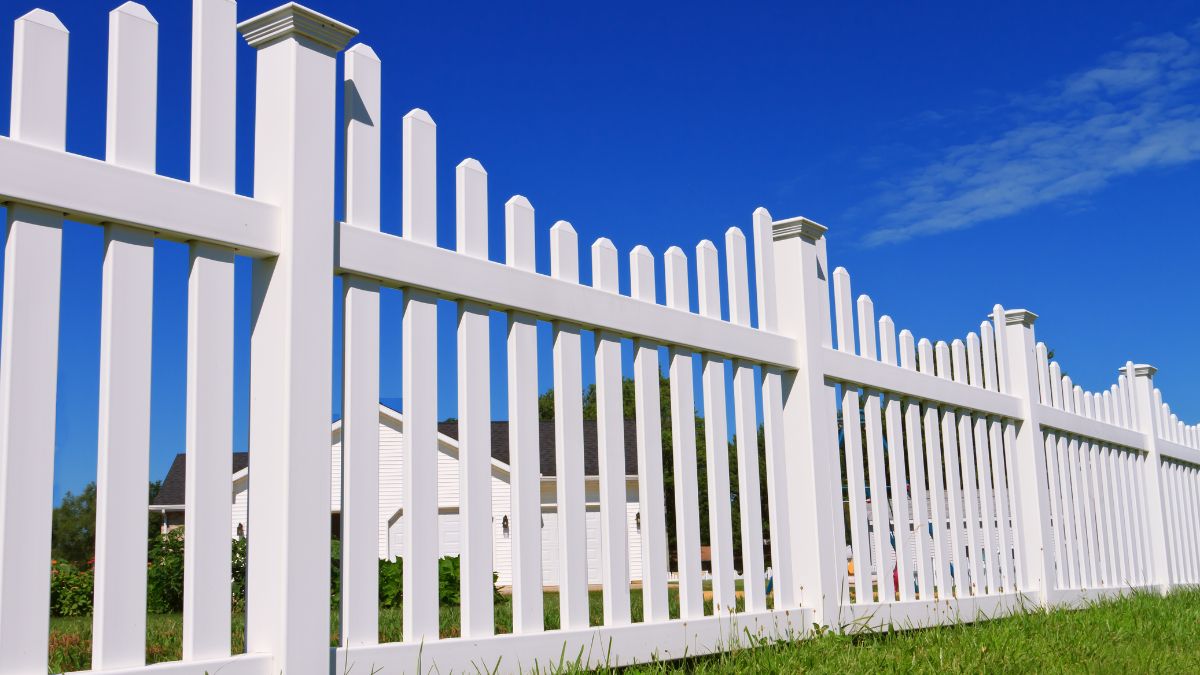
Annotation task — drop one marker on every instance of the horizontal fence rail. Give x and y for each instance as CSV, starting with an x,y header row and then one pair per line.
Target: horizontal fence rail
x,y
846,473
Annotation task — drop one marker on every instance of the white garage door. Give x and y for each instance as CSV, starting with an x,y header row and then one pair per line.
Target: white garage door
x,y
449,535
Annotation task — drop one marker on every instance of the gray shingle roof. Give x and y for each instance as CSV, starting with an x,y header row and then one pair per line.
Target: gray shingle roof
x,y
172,491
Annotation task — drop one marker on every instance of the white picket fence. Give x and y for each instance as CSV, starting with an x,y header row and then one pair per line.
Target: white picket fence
x,y
1002,483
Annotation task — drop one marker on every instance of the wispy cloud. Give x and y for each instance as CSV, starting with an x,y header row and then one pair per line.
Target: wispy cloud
x,y
1136,109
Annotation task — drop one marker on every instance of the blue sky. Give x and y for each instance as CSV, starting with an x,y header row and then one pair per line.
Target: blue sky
x,y
961,154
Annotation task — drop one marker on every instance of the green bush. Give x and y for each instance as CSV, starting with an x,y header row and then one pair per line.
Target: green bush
x,y
164,576
240,546
391,583
70,589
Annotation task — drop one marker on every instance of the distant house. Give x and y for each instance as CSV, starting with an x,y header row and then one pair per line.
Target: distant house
x,y
170,498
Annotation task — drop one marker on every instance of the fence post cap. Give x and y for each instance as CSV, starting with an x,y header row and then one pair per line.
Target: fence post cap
x,y
296,20
1019,316
1139,370
797,227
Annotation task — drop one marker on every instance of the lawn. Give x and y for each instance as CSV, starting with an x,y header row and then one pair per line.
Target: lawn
x,y
1142,633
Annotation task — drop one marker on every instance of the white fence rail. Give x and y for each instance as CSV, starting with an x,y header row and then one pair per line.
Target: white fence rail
x,y
964,479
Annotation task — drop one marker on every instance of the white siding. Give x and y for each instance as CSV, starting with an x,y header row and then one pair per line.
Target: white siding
x,y
391,496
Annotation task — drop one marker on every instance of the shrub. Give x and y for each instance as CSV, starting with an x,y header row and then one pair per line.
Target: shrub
x,y
164,577
70,589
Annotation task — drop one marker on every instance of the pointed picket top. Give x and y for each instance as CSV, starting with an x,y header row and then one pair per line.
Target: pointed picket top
x,y
136,11
519,242
988,337
708,280
675,262
641,273
908,354
564,252
471,217
999,321
419,177
941,352
1068,397
843,310
44,18
363,50
925,350
737,279
866,328
764,271
605,268
974,361
39,85
1056,385
959,359
132,87
887,340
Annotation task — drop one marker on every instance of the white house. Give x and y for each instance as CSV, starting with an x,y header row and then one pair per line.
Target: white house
x,y
170,498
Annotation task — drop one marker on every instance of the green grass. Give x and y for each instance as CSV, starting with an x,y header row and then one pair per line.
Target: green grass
x,y
1142,633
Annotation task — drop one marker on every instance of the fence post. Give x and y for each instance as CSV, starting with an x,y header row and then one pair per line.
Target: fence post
x,y
291,338
1032,527
810,427
1146,420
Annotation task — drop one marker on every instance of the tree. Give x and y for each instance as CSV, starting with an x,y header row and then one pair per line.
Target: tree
x,y
73,525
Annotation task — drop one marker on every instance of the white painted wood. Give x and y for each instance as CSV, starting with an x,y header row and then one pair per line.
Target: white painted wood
x,y
209,419
745,429
810,420
939,518
93,191
474,414
400,262
966,443
852,440
123,469
778,510
876,470
568,441
900,507
610,436
916,480
651,498
987,514
523,430
361,525
291,337
214,90
419,388
683,451
954,487
1025,450
29,354
209,443
716,439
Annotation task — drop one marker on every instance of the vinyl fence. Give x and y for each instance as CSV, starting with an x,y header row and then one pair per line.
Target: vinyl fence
x,y
965,479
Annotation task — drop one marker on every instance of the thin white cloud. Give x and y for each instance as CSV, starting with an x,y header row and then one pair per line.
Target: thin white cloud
x,y
1134,110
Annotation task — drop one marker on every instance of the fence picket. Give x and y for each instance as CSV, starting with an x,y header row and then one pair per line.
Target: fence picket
x,y
778,508
523,432
745,431
876,471
954,490
419,389
899,477
651,501
362,525
937,484
568,441
969,481
983,467
474,414
916,476
716,434
610,435
29,354
683,439
123,470
852,439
